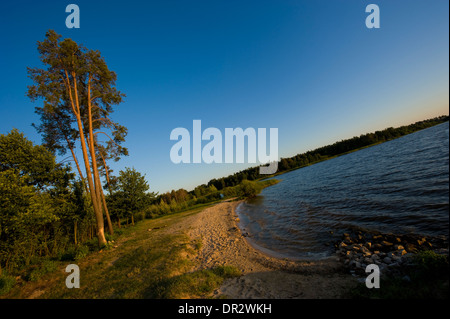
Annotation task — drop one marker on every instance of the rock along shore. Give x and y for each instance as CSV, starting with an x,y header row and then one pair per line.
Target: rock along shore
x,y
390,252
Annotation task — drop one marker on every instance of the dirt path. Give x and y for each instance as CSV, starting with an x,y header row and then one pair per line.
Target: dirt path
x,y
263,276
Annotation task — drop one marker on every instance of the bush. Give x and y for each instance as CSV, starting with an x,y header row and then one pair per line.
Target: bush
x,y
231,191
81,252
118,231
47,266
249,189
74,253
139,216
151,211
430,263
6,283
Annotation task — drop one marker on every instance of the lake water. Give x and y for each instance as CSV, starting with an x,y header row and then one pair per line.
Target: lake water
x,y
400,186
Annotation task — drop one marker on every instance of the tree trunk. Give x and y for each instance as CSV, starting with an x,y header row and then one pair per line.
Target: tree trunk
x,y
111,230
93,190
108,219
97,184
75,232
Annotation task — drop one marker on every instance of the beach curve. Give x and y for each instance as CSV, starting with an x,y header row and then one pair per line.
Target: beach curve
x,y
263,276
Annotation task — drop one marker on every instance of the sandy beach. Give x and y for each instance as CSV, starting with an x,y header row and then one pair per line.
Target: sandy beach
x,y
263,276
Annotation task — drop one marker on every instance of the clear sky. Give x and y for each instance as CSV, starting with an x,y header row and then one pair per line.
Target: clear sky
x,y
309,68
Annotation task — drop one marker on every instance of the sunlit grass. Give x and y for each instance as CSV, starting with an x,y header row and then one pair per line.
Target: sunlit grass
x,y
149,262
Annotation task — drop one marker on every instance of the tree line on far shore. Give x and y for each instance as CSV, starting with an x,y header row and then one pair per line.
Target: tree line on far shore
x,y
231,186
326,152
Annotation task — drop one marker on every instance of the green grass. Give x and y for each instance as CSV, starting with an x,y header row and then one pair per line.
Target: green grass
x,y
268,182
199,284
146,264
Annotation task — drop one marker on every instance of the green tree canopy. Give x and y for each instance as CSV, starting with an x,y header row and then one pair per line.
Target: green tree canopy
x,y
35,164
33,194
78,92
130,193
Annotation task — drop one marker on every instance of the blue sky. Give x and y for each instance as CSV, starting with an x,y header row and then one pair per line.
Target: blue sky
x,y
309,68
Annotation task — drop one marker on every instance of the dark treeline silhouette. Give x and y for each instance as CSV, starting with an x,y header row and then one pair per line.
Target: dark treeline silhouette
x,y
326,152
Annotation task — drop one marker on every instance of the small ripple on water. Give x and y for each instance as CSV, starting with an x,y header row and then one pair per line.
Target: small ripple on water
x,y
401,186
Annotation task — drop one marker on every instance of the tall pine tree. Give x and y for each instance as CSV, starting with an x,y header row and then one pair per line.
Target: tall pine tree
x,y
78,92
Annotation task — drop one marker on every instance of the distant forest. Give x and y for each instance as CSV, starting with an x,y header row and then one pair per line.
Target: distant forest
x,y
325,152
220,187
232,185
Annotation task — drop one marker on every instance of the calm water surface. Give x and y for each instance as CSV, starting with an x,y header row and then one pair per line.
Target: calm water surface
x,y
401,186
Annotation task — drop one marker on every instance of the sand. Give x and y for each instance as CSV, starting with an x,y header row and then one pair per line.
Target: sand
x,y
263,276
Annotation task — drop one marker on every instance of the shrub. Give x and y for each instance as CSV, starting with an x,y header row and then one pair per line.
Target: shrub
x,y
139,216
47,266
6,283
75,253
81,252
430,263
249,189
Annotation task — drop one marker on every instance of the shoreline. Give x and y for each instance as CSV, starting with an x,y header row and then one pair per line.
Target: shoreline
x,y
263,276
272,253
157,252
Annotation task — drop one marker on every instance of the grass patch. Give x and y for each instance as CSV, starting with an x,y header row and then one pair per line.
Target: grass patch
x,y
153,259
198,284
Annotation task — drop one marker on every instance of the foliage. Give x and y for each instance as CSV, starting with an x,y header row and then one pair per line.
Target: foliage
x,y
249,188
129,194
47,266
430,264
74,253
39,203
78,92
6,283
326,152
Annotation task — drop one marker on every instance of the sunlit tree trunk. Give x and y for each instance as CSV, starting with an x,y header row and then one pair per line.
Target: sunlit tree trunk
x,y
93,190
75,232
78,91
